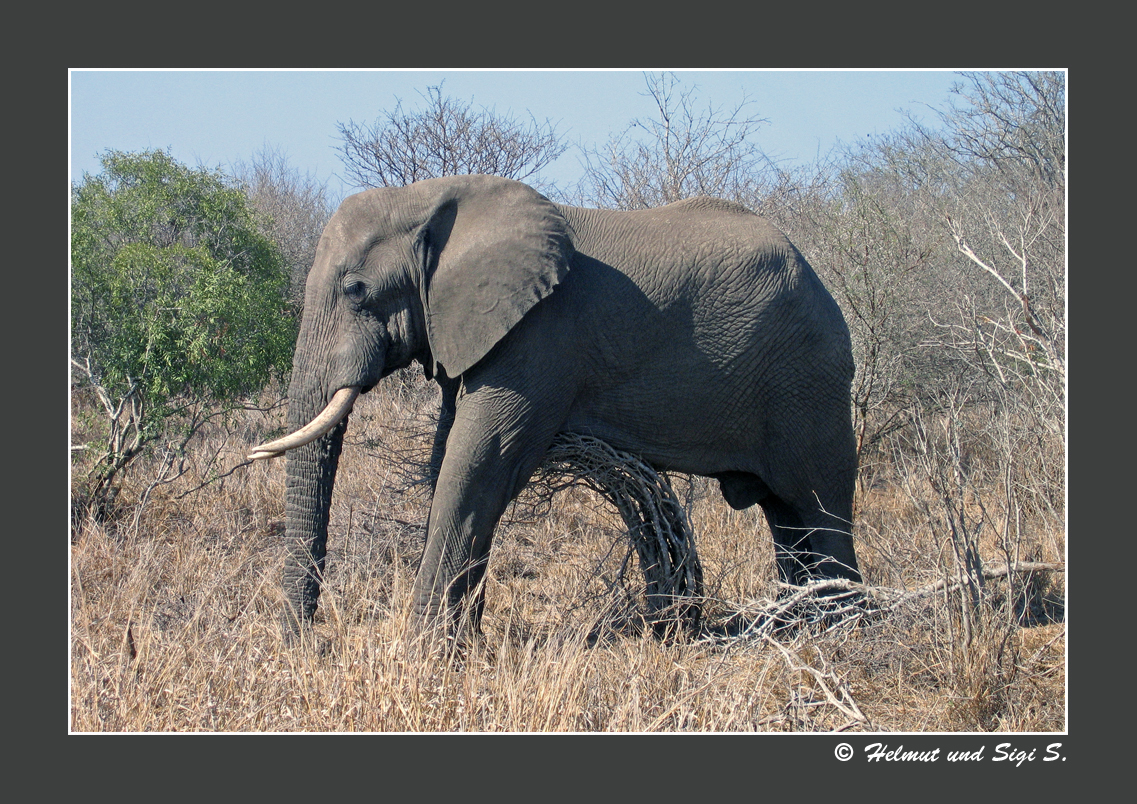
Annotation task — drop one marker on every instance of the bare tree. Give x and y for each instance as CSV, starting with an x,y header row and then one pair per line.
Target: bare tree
x,y
983,194
986,430
1006,214
686,152
295,206
873,257
446,138
1014,121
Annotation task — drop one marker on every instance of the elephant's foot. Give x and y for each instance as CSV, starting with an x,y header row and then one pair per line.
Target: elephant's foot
x,y
446,630
439,641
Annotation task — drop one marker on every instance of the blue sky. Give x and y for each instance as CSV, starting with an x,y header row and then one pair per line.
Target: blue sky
x,y
220,117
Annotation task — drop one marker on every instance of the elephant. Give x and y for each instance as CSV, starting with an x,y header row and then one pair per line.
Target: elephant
x,y
694,335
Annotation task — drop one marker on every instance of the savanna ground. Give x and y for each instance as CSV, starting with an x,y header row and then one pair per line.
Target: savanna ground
x,y
175,604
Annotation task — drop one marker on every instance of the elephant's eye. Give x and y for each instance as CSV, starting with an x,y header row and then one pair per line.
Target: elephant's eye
x,y
355,290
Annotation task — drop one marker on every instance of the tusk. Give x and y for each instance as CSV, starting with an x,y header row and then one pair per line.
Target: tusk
x,y
332,415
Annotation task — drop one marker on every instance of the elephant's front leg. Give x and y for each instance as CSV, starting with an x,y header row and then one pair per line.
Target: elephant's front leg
x,y
442,432
497,440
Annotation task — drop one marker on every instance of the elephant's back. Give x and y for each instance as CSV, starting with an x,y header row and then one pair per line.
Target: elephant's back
x,y
712,259
696,233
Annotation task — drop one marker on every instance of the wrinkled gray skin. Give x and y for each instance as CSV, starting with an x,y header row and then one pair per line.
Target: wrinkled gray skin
x,y
694,335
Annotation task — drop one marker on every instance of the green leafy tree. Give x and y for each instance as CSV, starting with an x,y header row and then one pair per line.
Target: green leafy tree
x,y
179,304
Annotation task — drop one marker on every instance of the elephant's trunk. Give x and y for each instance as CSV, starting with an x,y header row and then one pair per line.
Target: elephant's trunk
x,y
311,475
313,458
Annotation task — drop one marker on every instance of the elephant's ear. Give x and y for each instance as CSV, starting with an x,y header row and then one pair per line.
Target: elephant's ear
x,y
491,249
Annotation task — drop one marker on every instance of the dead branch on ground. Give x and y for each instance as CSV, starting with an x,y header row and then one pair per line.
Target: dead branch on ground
x,y
839,602
656,521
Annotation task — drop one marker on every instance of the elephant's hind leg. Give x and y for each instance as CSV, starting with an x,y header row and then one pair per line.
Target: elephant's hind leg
x,y
809,542
791,540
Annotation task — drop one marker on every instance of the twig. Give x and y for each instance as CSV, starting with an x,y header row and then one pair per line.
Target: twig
x,y
843,703
212,479
988,572
656,521
840,602
1037,655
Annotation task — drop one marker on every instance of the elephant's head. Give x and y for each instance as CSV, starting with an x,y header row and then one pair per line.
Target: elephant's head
x,y
438,272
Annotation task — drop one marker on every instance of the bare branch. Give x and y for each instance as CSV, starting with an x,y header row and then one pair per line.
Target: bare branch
x,y
446,138
967,251
841,603
842,700
656,521
686,153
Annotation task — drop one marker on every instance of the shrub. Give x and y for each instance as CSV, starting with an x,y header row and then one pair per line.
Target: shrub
x,y
177,299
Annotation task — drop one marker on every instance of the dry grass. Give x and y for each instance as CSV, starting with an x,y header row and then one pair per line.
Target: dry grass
x,y
174,612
